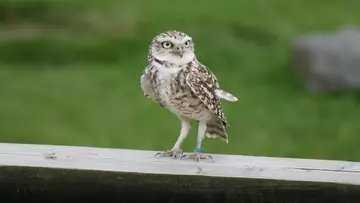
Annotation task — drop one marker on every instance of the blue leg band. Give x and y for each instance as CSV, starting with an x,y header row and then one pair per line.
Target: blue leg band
x,y
198,149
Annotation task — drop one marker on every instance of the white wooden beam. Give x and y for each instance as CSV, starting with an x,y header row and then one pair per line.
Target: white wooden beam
x,y
228,166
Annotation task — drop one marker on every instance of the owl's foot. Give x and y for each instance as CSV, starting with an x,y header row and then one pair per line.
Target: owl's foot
x,y
170,153
196,156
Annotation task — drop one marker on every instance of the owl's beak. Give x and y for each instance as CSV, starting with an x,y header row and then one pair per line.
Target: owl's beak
x,y
179,51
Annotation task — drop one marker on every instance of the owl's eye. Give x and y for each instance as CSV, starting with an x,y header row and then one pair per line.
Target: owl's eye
x,y
167,45
187,43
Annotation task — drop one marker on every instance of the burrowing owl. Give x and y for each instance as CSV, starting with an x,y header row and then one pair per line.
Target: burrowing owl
x,y
176,80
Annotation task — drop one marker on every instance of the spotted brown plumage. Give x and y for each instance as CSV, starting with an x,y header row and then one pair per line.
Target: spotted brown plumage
x,y
176,80
203,83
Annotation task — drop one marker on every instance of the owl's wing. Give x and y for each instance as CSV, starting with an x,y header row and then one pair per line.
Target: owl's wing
x,y
204,84
147,86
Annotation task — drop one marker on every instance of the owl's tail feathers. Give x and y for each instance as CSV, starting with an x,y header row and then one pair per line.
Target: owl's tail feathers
x,y
215,128
225,95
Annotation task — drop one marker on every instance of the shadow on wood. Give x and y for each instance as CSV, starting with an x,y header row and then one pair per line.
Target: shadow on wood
x,y
43,173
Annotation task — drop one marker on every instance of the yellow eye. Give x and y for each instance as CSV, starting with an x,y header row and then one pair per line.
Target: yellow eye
x,y
167,45
187,43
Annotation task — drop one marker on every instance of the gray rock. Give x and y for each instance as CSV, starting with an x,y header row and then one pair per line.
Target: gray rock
x,y
328,61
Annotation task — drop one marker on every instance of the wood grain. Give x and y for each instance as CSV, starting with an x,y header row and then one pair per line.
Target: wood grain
x,y
75,171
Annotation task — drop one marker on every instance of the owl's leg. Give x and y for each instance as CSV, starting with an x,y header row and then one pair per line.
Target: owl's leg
x,y
198,150
176,150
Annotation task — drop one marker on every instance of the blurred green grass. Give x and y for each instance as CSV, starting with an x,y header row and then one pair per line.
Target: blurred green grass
x,y
70,73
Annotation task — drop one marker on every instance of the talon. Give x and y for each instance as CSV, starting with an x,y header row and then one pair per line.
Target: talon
x,y
160,153
197,156
211,158
169,153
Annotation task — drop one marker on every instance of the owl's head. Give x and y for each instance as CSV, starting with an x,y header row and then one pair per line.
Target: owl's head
x,y
173,47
